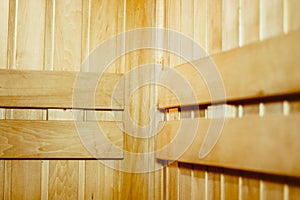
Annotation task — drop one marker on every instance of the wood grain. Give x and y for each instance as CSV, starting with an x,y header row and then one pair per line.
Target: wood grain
x,y
200,24
30,34
55,90
2,170
230,25
214,26
240,79
4,7
249,22
67,35
247,143
173,23
28,185
185,181
293,15
271,18
62,176
58,139
199,182
172,186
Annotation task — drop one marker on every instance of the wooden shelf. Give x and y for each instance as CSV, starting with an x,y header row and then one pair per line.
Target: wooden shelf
x,y
257,70
45,89
267,144
60,140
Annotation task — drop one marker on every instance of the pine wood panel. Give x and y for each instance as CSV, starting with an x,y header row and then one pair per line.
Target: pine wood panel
x,y
139,14
4,5
250,186
230,25
67,35
249,23
55,89
172,185
30,34
185,181
254,138
213,183
173,22
63,179
271,18
199,183
200,24
293,15
214,26
2,170
56,139
235,67
231,185
28,185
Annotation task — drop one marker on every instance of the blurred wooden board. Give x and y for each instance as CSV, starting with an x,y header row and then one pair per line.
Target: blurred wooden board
x,y
60,139
267,144
257,70
41,89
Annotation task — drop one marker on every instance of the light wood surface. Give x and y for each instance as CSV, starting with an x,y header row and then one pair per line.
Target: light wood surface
x,y
258,70
60,139
39,89
247,143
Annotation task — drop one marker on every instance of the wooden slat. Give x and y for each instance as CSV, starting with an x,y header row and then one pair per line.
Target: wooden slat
x,y
247,143
38,89
256,70
4,5
59,139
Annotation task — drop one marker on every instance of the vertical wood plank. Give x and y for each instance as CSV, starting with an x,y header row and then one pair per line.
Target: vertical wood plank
x,y
7,195
249,19
93,176
49,35
45,179
294,190
198,183
4,6
230,25
214,183
63,183
26,179
174,20
273,190
185,181
139,14
30,35
250,186
2,176
271,18
81,180
214,26
187,26
67,39
200,24
172,185
86,31
231,185
12,34
103,27
293,15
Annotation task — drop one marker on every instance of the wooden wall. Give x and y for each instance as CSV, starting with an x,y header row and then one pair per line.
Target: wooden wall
x,y
220,25
58,34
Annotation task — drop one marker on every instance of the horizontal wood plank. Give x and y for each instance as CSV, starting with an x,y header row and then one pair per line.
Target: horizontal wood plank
x,y
60,139
44,89
267,144
257,70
